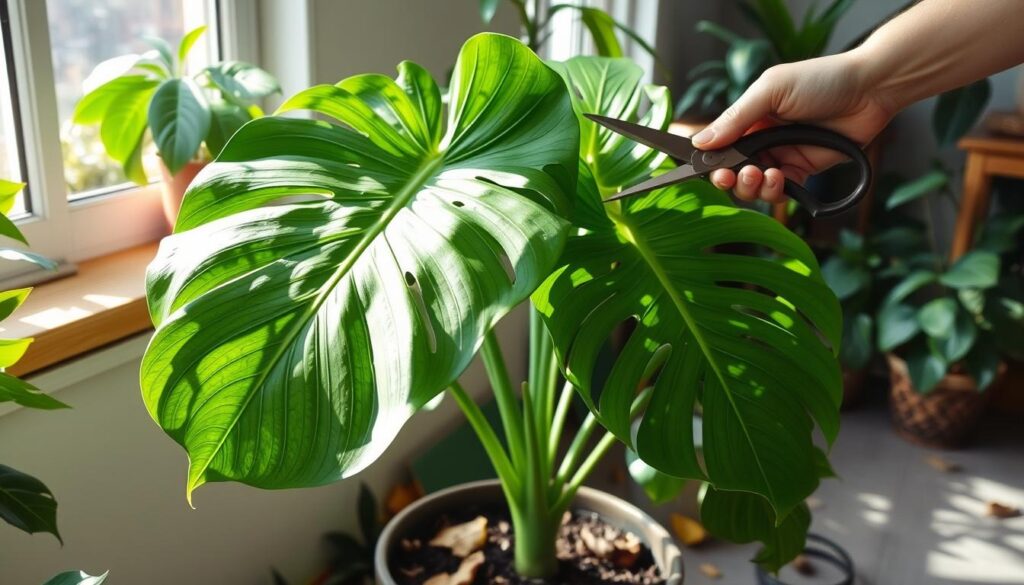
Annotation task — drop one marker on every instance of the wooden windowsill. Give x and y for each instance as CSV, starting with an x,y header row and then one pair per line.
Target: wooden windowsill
x,y
103,303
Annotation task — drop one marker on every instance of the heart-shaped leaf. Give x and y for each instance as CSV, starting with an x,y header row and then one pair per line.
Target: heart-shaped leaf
x,y
294,341
77,578
26,503
743,332
179,118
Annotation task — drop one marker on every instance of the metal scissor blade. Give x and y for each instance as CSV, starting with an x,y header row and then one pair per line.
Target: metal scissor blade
x,y
677,147
676,175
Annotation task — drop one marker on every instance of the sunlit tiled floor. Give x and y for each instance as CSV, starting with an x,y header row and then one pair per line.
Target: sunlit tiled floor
x,y
902,521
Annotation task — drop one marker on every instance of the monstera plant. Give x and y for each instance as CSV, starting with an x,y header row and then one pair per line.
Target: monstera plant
x,y
327,279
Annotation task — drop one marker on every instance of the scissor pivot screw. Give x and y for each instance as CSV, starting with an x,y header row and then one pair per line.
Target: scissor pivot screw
x,y
712,157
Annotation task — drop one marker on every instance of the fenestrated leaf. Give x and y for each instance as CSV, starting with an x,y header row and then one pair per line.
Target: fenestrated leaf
x,y
741,332
659,487
24,394
77,578
26,503
612,87
293,341
179,118
744,517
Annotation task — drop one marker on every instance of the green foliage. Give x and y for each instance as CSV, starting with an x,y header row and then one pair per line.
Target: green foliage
x,y
25,502
77,578
938,314
294,340
660,487
130,94
779,40
658,260
603,29
743,517
957,111
418,240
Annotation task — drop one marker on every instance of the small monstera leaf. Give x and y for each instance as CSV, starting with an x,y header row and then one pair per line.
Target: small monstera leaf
x,y
293,341
612,87
749,339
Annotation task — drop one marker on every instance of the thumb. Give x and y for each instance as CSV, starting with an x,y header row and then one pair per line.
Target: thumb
x,y
753,106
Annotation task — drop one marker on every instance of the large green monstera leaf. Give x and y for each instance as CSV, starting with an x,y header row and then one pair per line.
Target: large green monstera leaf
x,y
294,340
727,305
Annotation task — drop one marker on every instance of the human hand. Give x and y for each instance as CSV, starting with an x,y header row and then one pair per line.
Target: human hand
x,y
832,92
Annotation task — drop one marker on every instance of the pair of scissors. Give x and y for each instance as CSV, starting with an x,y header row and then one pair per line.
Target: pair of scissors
x,y
699,163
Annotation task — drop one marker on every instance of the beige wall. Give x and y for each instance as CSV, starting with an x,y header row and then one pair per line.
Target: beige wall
x,y
120,485
360,36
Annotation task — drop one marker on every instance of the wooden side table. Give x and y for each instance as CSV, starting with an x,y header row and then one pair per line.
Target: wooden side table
x,y
988,156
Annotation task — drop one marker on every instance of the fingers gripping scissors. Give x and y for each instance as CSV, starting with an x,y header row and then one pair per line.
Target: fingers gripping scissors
x,y
699,163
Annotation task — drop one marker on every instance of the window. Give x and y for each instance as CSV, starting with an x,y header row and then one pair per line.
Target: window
x,y
78,204
84,33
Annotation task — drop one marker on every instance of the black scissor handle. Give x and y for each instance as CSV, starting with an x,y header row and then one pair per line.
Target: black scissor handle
x,y
804,135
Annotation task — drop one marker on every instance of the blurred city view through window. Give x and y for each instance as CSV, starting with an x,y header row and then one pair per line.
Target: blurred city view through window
x,y
83,34
10,158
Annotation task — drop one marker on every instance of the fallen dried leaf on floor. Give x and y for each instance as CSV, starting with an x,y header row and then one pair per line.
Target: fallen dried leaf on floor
x,y
463,538
999,510
401,495
804,566
943,465
464,575
687,530
814,503
711,571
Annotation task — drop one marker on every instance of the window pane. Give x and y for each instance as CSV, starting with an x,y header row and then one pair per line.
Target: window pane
x,y
83,34
10,151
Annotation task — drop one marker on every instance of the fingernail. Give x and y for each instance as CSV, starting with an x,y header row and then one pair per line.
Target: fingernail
x,y
747,178
769,181
705,135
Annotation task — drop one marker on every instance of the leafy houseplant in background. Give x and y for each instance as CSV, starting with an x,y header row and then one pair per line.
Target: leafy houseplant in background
x,y
294,340
602,27
946,324
25,502
130,94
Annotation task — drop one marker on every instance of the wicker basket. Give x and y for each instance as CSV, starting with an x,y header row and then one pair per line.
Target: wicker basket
x,y
944,417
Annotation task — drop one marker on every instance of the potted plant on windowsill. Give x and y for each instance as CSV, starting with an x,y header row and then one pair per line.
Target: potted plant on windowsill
x,y
294,340
945,325
188,117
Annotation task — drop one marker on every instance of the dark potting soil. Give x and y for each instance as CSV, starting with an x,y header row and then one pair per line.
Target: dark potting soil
x,y
418,561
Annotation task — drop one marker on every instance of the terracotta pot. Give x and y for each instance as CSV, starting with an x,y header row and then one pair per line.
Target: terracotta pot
x,y
613,510
172,188
945,417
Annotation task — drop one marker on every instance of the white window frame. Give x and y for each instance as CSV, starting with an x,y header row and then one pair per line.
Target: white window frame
x,y
69,231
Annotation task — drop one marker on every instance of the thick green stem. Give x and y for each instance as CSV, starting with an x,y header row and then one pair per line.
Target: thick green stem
x,y
558,420
535,546
575,452
528,25
505,396
488,438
